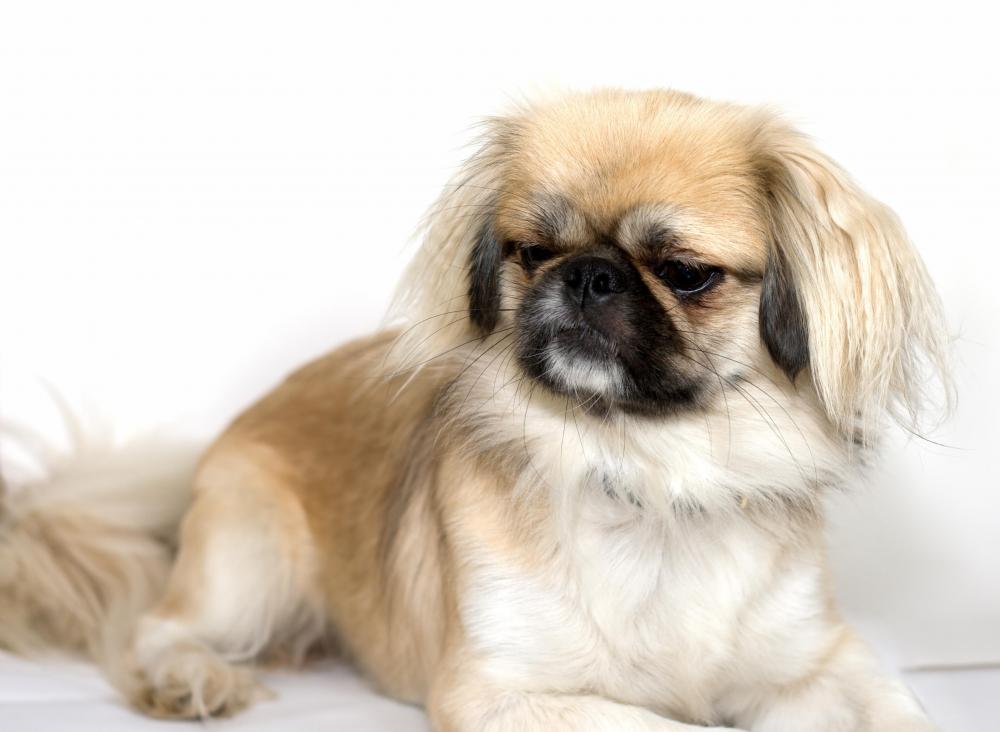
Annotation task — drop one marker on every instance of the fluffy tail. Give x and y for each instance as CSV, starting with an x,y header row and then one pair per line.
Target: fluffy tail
x,y
87,547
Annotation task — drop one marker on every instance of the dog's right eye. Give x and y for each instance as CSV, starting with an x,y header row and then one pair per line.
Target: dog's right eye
x,y
533,255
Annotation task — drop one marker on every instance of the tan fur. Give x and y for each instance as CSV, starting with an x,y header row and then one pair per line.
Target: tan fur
x,y
64,576
411,497
89,546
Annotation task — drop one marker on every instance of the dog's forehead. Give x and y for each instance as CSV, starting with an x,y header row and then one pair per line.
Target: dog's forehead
x,y
639,173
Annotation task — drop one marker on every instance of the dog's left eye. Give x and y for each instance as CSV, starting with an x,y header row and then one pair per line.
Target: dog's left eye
x,y
534,254
687,278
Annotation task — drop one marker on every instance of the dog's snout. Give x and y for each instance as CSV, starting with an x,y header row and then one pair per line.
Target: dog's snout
x,y
592,280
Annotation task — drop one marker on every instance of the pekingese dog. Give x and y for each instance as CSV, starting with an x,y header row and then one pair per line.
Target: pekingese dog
x,y
577,484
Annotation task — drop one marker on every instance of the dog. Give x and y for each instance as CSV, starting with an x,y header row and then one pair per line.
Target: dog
x,y
575,484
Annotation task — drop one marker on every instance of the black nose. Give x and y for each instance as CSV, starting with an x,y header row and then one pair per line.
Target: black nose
x,y
593,280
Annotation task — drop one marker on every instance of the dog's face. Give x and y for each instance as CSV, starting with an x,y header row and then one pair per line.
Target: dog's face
x,y
633,253
648,253
635,268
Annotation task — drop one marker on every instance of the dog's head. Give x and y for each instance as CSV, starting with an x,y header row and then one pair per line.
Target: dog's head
x,y
643,253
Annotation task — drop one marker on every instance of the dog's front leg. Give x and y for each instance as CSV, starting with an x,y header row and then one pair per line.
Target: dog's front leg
x,y
464,703
846,693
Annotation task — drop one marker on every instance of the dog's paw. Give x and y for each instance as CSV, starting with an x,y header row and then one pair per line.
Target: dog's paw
x,y
194,683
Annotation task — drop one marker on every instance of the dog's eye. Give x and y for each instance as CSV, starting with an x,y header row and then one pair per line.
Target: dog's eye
x,y
533,255
687,278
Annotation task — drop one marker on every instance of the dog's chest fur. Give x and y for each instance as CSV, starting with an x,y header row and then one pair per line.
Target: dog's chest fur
x,y
669,614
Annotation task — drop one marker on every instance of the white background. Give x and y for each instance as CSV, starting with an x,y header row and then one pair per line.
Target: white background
x,y
195,198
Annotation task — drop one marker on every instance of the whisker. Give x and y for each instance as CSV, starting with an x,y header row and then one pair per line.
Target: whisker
x,y
456,380
407,368
762,412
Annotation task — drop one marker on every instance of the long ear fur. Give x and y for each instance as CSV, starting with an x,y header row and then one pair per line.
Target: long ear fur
x,y
849,296
782,321
437,305
484,279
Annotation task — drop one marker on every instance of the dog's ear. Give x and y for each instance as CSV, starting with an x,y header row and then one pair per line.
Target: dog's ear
x,y
844,292
451,290
782,322
484,279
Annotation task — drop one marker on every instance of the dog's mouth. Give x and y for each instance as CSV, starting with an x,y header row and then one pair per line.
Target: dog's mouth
x,y
615,358
602,373
576,359
585,342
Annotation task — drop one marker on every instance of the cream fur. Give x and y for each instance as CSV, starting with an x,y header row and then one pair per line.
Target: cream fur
x,y
515,559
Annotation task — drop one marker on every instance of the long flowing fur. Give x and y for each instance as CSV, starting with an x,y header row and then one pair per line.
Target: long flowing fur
x,y
877,337
878,344
431,305
87,546
506,486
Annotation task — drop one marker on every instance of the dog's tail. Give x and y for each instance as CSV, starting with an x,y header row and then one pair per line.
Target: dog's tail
x,y
87,547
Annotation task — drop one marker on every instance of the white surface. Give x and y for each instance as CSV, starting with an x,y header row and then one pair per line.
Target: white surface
x,y
196,197
327,697
60,695
960,700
